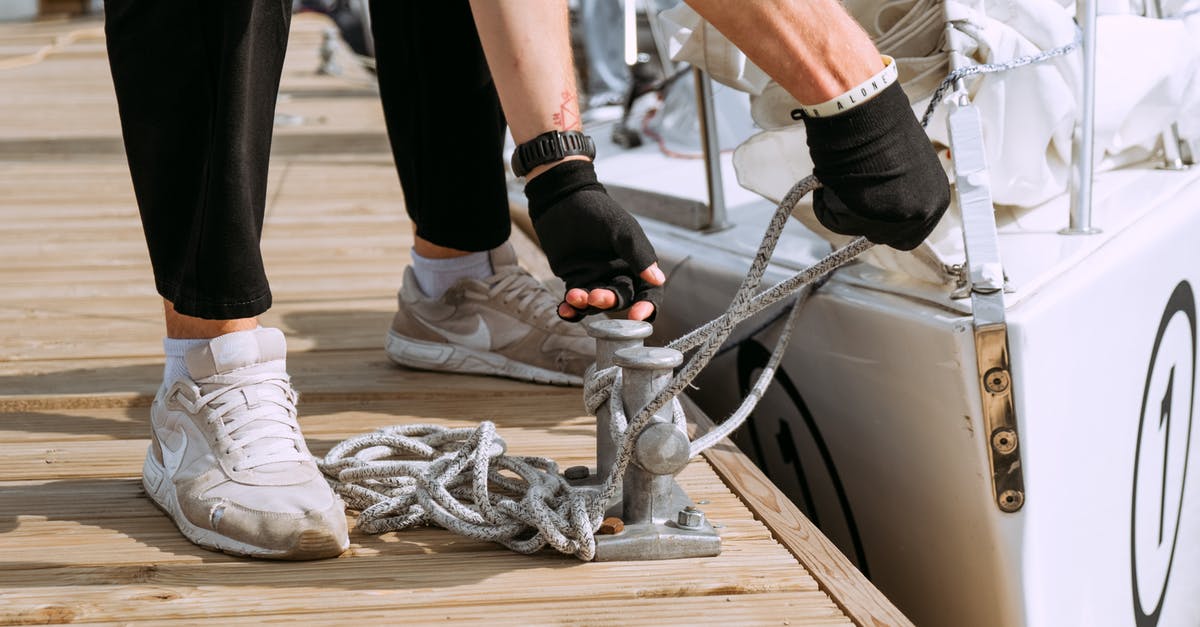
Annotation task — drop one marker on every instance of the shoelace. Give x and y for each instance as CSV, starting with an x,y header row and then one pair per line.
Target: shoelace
x,y
258,412
516,284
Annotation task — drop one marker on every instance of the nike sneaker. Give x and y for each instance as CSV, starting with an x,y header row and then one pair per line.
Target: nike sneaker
x,y
504,325
227,461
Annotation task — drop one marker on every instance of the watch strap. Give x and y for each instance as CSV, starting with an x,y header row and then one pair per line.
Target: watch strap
x,y
550,147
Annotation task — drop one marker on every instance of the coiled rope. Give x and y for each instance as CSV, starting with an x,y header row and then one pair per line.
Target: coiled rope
x,y
461,479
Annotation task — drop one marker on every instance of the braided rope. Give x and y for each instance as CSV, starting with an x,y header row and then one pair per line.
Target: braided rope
x,y
413,475
991,68
461,479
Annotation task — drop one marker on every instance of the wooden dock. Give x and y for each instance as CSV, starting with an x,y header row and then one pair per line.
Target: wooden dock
x,y
80,357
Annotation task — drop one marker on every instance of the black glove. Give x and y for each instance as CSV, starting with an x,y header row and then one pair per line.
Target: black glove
x,y
589,240
880,174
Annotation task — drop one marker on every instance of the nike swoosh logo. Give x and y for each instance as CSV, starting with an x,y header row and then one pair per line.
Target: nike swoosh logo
x,y
173,457
479,339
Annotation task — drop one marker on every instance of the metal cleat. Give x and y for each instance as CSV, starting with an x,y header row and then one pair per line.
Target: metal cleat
x,y
652,502
611,336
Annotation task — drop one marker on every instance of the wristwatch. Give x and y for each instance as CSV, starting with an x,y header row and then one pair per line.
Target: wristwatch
x,y
550,147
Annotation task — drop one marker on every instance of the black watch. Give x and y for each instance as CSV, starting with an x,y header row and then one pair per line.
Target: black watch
x,y
550,147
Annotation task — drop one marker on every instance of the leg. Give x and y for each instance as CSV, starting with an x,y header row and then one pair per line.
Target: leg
x,y
465,304
184,327
444,123
196,85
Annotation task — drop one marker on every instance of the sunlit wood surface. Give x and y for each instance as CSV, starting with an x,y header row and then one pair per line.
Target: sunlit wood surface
x,y
80,332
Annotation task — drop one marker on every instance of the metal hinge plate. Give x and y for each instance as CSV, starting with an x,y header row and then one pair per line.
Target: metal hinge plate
x,y
985,277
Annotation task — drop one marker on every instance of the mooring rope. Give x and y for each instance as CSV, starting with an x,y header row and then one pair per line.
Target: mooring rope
x,y
462,480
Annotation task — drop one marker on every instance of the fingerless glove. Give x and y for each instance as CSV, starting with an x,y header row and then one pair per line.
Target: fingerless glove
x,y
589,240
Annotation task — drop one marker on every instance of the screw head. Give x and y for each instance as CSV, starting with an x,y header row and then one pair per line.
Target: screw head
x,y
996,380
1004,441
1011,500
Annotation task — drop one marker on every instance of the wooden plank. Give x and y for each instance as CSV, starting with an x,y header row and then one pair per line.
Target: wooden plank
x,y
788,608
344,376
133,531
97,459
849,588
770,608
110,521
88,521
395,585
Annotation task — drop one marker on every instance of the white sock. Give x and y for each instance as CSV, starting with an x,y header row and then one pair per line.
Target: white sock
x,y
435,276
176,366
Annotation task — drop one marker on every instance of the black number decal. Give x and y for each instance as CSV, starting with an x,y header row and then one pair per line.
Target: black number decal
x,y
751,358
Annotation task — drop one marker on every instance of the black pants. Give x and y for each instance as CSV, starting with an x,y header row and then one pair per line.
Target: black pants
x,y
196,84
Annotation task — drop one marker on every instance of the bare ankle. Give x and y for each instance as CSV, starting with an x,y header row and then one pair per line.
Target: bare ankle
x,y
429,250
184,327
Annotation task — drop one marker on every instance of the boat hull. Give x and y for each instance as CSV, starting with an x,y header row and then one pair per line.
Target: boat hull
x,y
874,427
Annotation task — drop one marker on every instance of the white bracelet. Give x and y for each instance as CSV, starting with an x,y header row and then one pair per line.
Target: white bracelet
x,y
856,96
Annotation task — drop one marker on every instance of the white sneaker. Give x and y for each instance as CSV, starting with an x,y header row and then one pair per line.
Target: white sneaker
x,y
506,325
227,461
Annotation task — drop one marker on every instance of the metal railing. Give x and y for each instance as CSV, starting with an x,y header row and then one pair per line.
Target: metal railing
x,y
1176,154
717,217
1082,159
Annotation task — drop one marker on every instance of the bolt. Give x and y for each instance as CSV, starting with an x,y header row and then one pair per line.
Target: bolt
x,y
611,526
1004,441
1011,500
996,380
690,518
575,473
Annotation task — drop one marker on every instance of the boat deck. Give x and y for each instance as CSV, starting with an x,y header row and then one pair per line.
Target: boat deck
x,y
80,329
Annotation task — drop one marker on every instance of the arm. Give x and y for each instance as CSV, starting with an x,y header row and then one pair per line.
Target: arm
x,y
796,44
880,174
528,51
527,45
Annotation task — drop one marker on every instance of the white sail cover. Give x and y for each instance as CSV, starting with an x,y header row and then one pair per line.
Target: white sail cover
x,y
1148,76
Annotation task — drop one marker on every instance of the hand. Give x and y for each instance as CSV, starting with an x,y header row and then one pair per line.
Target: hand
x,y
881,176
593,245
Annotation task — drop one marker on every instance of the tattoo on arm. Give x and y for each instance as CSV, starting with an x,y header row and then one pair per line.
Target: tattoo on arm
x,y
567,118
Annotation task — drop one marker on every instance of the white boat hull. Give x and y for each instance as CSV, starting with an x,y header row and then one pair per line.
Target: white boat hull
x,y
874,426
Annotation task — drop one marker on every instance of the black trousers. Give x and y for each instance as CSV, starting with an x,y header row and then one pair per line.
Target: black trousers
x,y
196,84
